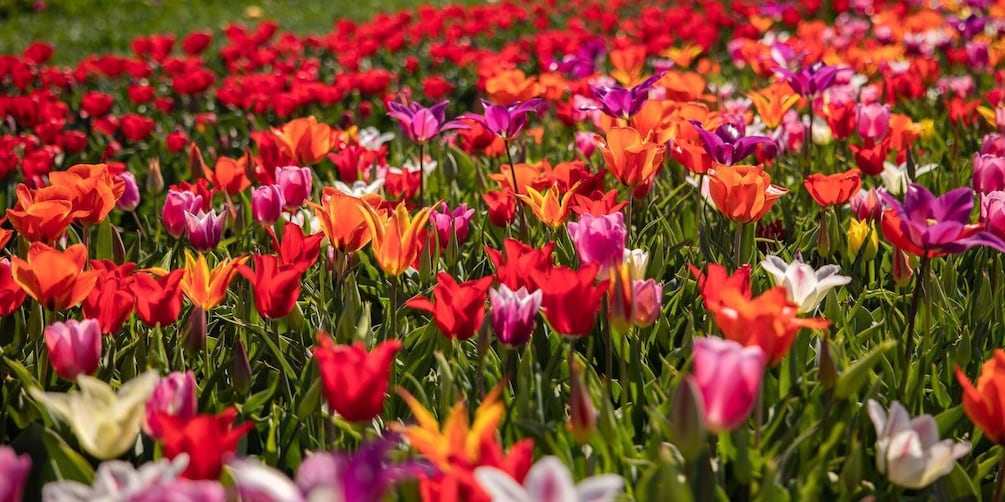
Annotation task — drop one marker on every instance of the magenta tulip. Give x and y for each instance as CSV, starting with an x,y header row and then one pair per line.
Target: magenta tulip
x,y
422,124
647,301
728,376
204,229
267,204
131,196
449,223
295,183
514,314
174,395
872,121
14,470
989,173
599,239
175,206
74,347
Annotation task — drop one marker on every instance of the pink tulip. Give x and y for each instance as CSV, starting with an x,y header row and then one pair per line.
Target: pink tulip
x,y
267,204
647,302
599,239
993,144
993,213
295,183
131,196
866,206
14,471
728,376
175,206
74,347
174,395
514,314
449,223
989,173
872,121
585,143
204,229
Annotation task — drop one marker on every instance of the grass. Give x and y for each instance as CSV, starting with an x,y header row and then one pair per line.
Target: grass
x,y
81,27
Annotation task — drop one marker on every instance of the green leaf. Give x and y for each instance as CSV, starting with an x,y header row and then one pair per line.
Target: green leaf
x,y
858,373
957,485
67,464
103,242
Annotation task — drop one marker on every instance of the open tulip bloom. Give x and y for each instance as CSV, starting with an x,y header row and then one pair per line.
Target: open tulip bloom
x,y
806,287
924,225
908,450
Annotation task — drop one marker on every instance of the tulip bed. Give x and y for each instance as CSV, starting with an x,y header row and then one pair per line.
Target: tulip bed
x,y
516,251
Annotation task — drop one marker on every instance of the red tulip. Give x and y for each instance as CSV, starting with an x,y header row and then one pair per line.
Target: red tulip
x,y
571,297
11,294
354,381
295,248
277,286
515,263
208,440
458,309
112,300
158,301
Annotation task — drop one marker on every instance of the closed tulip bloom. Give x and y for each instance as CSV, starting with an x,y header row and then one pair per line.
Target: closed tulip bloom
x,y
514,314
833,189
728,376
295,183
636,260
267,204
395,238
872,121
908,450
276,285
14,470
993,213
989,173
866,205
983,403
743,193
647,302
207,440
54,278
599,240
571,298
131,194
806,287
456,223
105,422
342,220
204,230
633,159
176,205
158,300
353,380
74,347
175,395
422,124
860,234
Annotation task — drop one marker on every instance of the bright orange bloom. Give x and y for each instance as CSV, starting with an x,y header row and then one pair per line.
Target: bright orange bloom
x,y
773,102
43,214
396,239
684,86
229,175
631,158
833,189
549,208
306,140
342,220
682,57
743,193
95,190
985,404
509,86
54,278
656,118
768,321
903,132
204,287
693,156
628,64
527,176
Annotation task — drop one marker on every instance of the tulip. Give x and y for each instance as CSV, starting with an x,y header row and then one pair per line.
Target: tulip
x,y
866,205
117,480
571,299
74,347
456,223
621,103
743,193
805,286
870,158
229,175
983,403
858,232
276,285
908,450
636,260
633,159
989,173
305,140
901,268
267,204
549,479
106,423
728,145
176,206
506,121
14,470
422,124
207,440
728,377
772,103
835,189
872,121
716,280
174,395
56,279
342,221
131,196
353,380
158,301
95,190
41,215
585,143
204,229
924,225
687,421
514,314
550,207
458,308
395,238
582,414
599,240
647,301
993,144
203,286
516,264
295,184
11,293
811,80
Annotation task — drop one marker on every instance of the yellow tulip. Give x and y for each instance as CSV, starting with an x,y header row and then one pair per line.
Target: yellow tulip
x,y
858,231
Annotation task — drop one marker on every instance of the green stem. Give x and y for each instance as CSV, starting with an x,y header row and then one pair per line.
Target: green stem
x,y
1000,478
422,175
921,288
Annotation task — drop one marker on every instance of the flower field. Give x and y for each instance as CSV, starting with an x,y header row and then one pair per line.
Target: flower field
x,y
518,251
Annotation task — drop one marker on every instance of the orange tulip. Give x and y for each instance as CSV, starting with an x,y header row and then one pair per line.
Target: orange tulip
x,y
206,288
773,102
95,190
682,57
631,158
54,278
903,132
628,64
527,176
984,404
229,175
342,220
395,238
684,86
306,140
833,189
43,214
768,321
551,209
509,86
743,193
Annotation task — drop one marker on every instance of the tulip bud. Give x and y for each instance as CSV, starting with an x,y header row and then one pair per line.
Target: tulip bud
x,y
636,260
861,233
687,427
155,180
582,415
267,204
455,223
74,347
585,143
823,237
902,272
295,183
196,165
174,395
993,144
240,369
872,121
194,330
647,301
865,205
988,173
599,239
175,206
131,196
14,470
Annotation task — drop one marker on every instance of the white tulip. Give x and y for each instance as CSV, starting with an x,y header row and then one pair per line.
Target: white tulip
x,y
908,450
549,480
806,287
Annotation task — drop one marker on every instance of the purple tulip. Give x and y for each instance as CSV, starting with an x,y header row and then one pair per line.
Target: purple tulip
x,y
422,124
176,204
926,224
14,471
622,103
506,121
295,183
456,223
514,314
583,63
728,377
599,239
74,347
174,395
728,145
204,229
267,204
989,173
131,195
977,54
811,80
